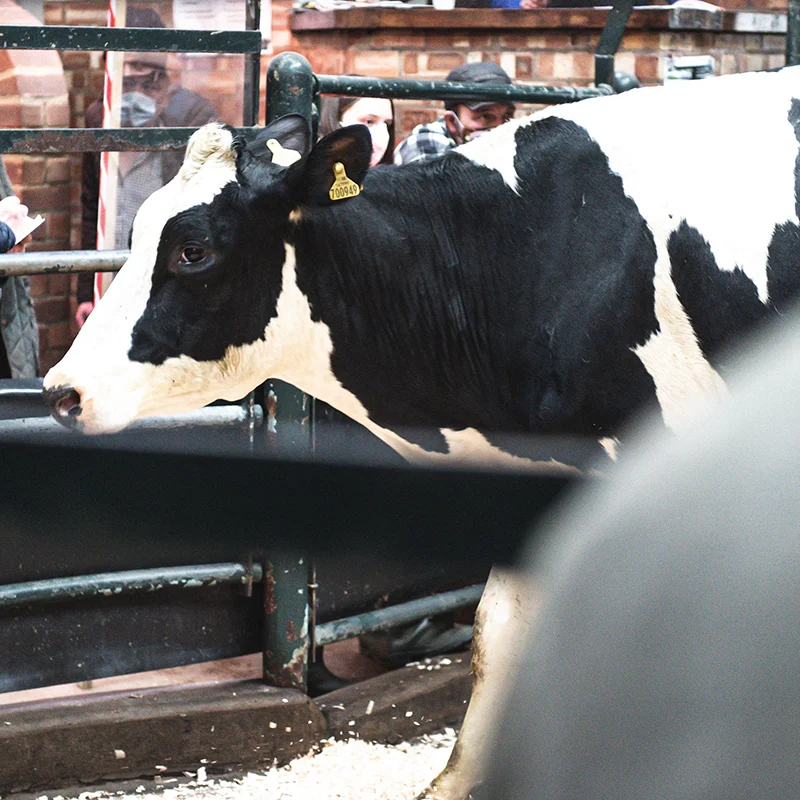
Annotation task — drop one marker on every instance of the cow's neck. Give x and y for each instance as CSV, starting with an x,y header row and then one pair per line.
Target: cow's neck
x,y
408,332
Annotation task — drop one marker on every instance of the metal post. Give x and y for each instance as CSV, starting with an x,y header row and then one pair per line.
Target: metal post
x,y
290,90
285,651
290,87
610,39
793,34
252,68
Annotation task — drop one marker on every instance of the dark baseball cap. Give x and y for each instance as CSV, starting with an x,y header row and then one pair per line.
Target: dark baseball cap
x,y
478,72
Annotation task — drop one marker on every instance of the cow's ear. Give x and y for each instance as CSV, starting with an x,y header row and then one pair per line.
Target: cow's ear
x,y
292,134
345,152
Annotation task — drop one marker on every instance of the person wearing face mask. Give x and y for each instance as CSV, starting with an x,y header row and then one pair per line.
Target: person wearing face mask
x,y
461,122
149,99
377,113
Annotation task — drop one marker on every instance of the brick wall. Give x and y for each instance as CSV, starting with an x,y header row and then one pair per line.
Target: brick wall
x,y
551,46
33,94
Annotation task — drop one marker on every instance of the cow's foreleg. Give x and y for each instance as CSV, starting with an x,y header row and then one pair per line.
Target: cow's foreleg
x,y
503,621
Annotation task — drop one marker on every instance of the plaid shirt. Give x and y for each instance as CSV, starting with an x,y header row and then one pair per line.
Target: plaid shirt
x,y
424,143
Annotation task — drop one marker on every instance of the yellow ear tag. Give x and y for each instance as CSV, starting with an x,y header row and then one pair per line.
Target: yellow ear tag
x,y
282,156
343,188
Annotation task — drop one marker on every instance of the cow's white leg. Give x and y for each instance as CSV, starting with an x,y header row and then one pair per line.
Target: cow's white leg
x,y
503,621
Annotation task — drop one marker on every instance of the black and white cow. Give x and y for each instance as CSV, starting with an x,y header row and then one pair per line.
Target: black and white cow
x,y
553,276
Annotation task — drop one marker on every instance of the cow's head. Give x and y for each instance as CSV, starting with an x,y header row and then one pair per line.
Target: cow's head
x,y
200,312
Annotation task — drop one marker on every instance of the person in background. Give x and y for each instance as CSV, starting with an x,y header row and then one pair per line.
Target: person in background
x,y
377,113
149,99
460,121
19,334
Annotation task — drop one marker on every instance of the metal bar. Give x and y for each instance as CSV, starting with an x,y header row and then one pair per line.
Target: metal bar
x,y
56,141
112,584
384,618
442,90
214,416
610,40
793,34
64,37
60,261
286,611
252,67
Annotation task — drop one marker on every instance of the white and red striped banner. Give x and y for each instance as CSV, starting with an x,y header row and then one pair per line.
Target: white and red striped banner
x,y
109,161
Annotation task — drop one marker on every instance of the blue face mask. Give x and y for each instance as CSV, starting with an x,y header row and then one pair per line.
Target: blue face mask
x,y
136,109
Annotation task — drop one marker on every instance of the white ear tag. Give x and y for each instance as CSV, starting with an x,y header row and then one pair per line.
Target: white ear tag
x,y
281,155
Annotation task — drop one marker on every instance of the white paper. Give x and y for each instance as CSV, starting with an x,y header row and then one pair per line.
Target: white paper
x,y
26,226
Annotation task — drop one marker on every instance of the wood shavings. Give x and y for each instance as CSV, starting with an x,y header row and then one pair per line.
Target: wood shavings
x,y
349,770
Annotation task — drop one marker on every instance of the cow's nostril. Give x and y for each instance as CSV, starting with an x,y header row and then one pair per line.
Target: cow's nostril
x,y
65,403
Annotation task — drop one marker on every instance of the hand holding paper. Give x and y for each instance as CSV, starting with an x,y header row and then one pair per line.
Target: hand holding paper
x,y
15,215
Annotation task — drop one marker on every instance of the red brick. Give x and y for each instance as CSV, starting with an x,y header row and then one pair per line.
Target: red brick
x,y
10,112
639,40
557,41
588,41
545,65
57,112
59,335
513,41
378,63
773,43
583,66
444,62
563,66
39,287
77,79
59,285
46,198
85,14
524,67
410,63
51,309
31,113
53,14
8,83
14,169
395,39
647,68
76,59
58,225
34,169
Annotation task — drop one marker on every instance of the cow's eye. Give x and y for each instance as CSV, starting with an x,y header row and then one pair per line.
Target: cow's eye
x,y
195,260
193,254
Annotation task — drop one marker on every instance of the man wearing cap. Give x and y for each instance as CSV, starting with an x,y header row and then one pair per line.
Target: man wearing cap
x,y
460,121
149,99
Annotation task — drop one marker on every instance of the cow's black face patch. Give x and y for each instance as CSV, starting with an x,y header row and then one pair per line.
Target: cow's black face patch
x,y
216,279
483,307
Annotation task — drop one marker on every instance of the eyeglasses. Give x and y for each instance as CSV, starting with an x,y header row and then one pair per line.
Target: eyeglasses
x,y
147,81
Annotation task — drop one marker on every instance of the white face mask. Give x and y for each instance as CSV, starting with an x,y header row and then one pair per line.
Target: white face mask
x,y
136,109
380,141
